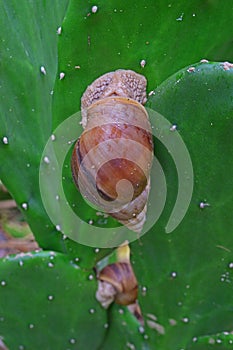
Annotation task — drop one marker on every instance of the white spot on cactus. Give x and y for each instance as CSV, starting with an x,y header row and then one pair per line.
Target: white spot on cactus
x,y
180,18
5,140
202,205
211,341
58,227
24,206
155,325
46,160
172,322
20,263
3,283
174,274
225,277
98,213
94,9
71,141
52,256
227,65
130,346
144,290
230,265
61,75
141,329
191,69
28,165
59,30
142,63
106,325
152,316
72,341
151,93
90,222
50,297
50,264
97,250
204,61
31,325
92,311
195,339
90,277
121,311
57,197
53,137
185,320
76,259
173,127
43,70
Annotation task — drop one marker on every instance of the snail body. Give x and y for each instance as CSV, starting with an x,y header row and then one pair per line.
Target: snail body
x,y
112,158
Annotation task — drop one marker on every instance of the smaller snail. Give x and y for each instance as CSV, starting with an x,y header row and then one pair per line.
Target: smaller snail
x,y
117,283
112,158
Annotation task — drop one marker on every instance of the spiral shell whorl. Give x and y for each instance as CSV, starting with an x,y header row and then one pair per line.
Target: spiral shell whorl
x,y
138,209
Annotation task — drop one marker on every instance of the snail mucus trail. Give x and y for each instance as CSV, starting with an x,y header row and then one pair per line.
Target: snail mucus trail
x,y
112,158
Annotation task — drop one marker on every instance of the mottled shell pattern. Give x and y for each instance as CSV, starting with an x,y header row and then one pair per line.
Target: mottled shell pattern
x,y
112,159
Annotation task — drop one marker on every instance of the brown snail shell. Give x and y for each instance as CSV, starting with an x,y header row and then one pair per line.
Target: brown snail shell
x,y
115,147
117,282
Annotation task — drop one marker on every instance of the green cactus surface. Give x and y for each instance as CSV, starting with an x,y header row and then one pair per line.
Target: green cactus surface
x,y
47,298
53,304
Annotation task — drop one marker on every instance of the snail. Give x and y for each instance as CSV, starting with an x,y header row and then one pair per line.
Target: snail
x,y
112,158
117,282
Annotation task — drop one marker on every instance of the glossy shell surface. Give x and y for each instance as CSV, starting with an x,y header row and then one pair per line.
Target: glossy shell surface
x,y
112,158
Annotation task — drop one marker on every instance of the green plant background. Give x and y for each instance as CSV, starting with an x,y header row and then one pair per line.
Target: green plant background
x,y
185,279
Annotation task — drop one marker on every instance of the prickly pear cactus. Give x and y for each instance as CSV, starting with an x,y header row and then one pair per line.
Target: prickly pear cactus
x,y
51,51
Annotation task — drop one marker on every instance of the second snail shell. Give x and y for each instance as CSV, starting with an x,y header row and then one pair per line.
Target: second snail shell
x,y
112,158
118,283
